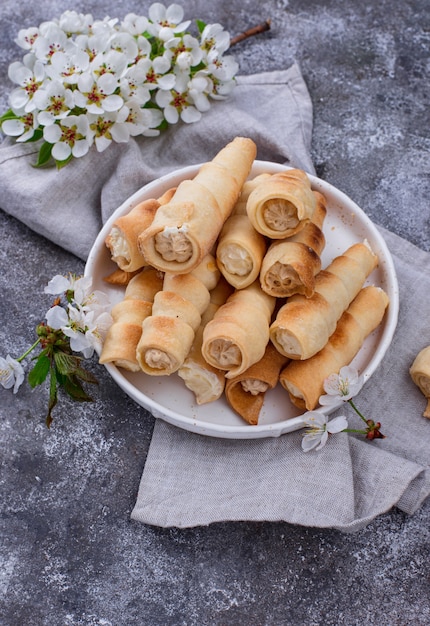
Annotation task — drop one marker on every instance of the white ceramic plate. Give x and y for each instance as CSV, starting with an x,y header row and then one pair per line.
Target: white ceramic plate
x,y
168,398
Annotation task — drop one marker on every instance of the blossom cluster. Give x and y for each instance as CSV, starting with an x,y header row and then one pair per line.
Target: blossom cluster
x,y
77,322
85,82
341,387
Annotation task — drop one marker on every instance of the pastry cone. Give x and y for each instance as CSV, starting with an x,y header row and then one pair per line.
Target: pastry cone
x,y
205,381
303,325
168,334
121,340
185,229
245,393
240,251
248,186
304,380
237,336
122,239
420,374
119,346
290,265
281,205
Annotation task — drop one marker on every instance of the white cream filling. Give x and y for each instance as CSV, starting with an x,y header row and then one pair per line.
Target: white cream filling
x,y
235,259
118,244
173,244
203,383
254,386
280,214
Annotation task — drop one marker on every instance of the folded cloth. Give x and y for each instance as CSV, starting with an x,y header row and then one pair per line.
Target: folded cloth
x,y
192,480
272,108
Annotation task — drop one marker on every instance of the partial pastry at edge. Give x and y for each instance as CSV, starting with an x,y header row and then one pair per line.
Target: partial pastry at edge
x,y
420,374
304,380
303,325
291,265
246,392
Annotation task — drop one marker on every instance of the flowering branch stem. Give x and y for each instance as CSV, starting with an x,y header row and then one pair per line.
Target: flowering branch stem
x,y
357,411
255,30
22,357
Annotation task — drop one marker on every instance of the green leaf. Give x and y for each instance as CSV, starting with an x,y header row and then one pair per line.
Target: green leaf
x,y
201,25
40,371
65,363
86,376
44,154
8,115
38,134
74,389
61,164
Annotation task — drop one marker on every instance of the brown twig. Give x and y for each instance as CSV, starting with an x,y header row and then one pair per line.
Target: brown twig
x,y
255,30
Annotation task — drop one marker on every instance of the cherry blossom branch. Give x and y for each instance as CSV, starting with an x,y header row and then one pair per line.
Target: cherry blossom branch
x,y
250,32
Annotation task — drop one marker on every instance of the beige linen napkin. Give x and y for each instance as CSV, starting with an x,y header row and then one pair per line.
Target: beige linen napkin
x,y
188,479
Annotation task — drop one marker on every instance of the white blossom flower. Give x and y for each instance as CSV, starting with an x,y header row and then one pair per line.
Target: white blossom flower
x,y
214,40
132,85
342,386
135,24
109,127
184,51
97,95
85,327
68,67
70,136
22,127
53,101
141,121
29,75
27,37
11,373
177,105
72,22
51,39
157,72
165,22
319,428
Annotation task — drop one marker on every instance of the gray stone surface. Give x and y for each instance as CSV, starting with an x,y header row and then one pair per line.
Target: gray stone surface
x,y
69,554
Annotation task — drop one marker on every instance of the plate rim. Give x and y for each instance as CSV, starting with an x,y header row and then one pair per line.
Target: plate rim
x,y
245,431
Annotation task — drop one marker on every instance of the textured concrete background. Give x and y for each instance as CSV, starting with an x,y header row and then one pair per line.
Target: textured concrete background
x,y
69,554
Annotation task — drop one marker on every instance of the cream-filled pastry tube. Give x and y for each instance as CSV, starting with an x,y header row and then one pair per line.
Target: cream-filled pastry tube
x,y
290,265
185,229
119,346
168,334
281,206
420,374
122,240
246,392
248,186
237,336
304,380
205,381
240,251
303,325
